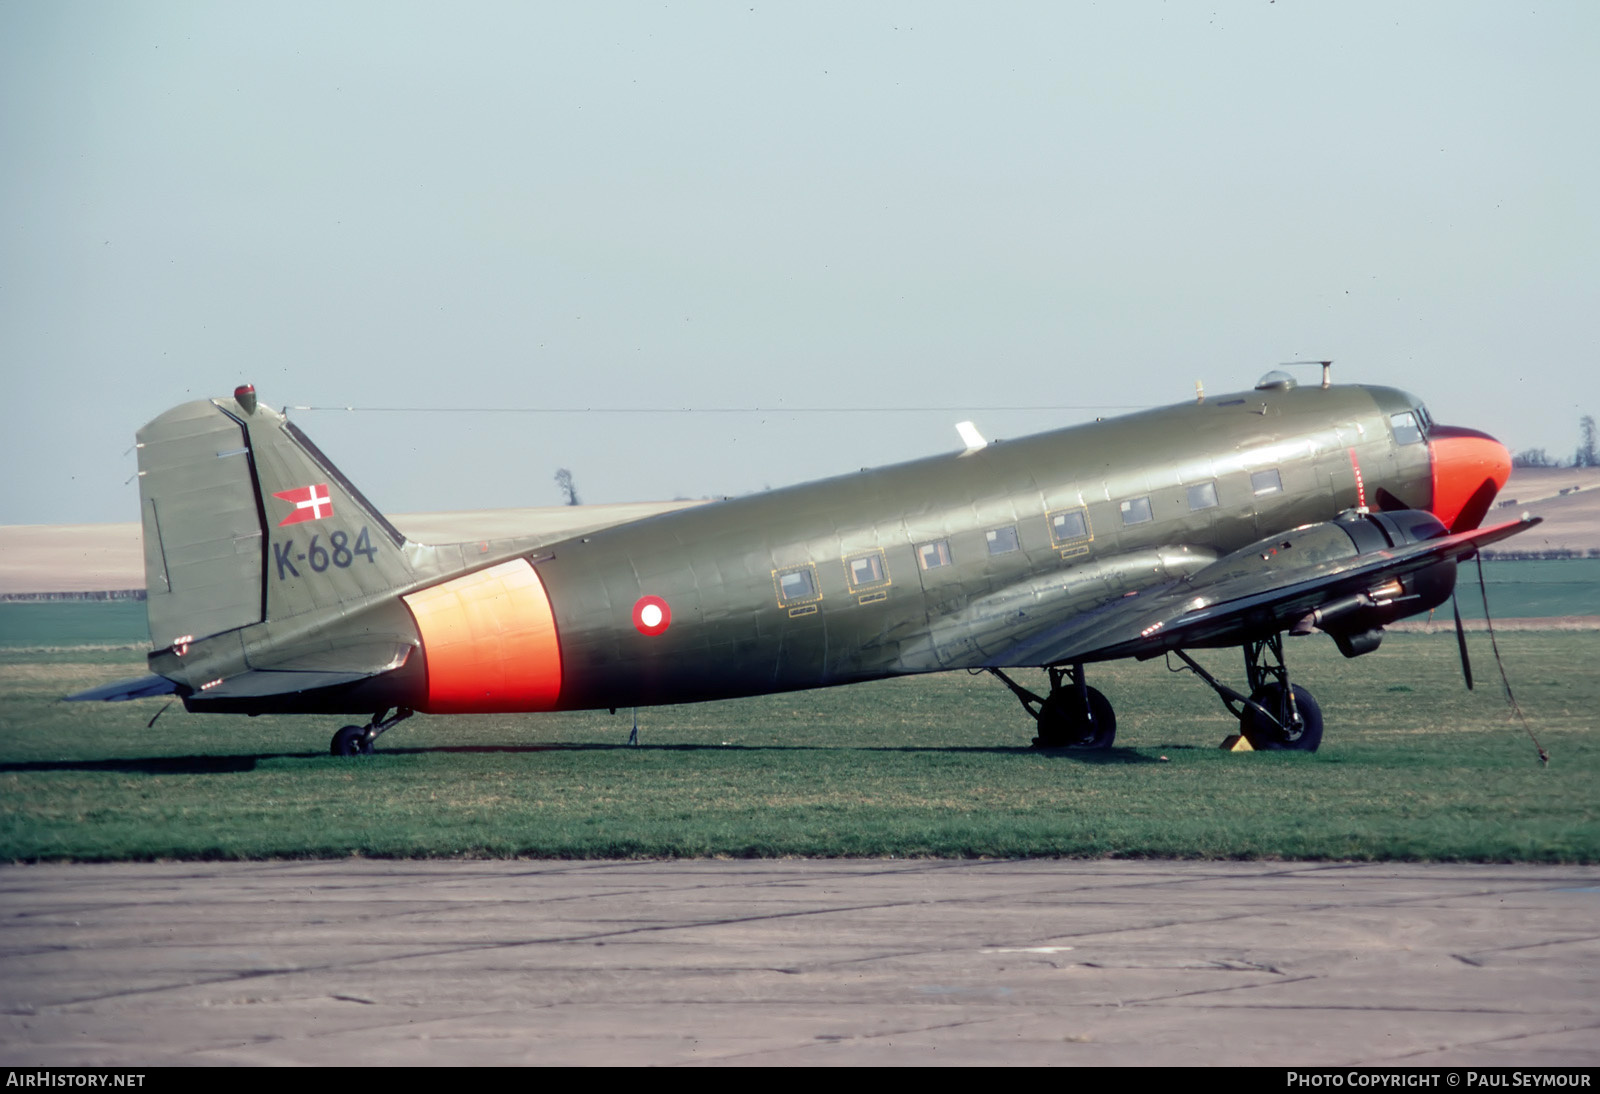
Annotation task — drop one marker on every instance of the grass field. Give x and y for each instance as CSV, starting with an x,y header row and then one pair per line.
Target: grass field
x,y
1531,589
1412,767
73,623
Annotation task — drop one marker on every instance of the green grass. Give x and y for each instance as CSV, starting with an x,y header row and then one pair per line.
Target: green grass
x,y
1412,767
73,623
1530,589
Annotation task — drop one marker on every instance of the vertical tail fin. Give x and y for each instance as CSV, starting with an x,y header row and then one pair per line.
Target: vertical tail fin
x,y
246,521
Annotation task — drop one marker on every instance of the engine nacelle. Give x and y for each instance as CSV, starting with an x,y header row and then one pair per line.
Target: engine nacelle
x,y
1354,618
1355,622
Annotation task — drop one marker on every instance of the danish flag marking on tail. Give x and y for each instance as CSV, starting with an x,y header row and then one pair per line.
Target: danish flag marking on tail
x,y
310,503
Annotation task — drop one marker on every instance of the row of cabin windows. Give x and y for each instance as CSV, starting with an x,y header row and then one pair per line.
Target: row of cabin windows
x,y
870,571
865,572
1202,496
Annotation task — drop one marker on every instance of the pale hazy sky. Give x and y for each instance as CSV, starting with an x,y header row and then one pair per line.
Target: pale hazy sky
x,y
726,205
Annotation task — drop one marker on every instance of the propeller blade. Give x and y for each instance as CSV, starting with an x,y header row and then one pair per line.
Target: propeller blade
x,y
1461,641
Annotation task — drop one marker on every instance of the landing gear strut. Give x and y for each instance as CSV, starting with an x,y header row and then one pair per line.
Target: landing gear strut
x,y
1073,715
1278,714
357,740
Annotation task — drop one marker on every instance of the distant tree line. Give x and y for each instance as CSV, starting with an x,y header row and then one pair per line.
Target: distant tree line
x,y
1587,455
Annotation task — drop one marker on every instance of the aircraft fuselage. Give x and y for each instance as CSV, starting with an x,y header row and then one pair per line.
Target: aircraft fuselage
x,y
940,563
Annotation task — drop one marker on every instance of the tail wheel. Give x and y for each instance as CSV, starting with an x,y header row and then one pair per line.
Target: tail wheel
x,y
1062,723
351,741
1297,730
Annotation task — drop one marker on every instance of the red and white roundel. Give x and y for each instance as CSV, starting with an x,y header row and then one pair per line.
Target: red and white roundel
x,y
652,615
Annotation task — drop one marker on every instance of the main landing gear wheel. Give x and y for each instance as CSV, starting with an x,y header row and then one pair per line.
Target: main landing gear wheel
x,y
1063,722
357,740
1071,715
1298,729
1278,716
351,741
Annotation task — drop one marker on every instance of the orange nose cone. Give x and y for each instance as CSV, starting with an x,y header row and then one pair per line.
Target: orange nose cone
x,y
1469,468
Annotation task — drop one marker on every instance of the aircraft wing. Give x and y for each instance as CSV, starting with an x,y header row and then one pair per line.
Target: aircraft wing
x,y
1226,603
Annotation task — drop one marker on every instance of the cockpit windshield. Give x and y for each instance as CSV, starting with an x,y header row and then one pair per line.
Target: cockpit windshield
x,y
1407,426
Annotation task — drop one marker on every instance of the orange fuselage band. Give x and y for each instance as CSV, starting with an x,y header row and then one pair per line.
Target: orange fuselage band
x,y
490,642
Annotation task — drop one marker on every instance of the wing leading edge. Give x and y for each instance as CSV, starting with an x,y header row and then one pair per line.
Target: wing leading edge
x,y
1249,594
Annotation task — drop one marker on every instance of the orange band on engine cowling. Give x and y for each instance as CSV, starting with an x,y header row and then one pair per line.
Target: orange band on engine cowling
x,y
490,640
1469,469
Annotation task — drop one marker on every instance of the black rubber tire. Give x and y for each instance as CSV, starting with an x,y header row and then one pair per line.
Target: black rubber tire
x,y
1062,726
1267,737
351,741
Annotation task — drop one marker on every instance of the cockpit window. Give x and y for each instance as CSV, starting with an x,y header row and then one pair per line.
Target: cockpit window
x,y
1406,429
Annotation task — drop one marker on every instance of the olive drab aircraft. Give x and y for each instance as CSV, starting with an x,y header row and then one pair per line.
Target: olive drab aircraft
x,y
274,585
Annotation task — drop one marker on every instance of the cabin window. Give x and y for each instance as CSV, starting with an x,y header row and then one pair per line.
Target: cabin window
x,y
866,571
1068,525
1203,495
797,586
1406,430
933,555
1266,482
1002,540
1136,511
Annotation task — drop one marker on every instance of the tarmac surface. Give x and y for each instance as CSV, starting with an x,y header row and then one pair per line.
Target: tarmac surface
x,y
810,962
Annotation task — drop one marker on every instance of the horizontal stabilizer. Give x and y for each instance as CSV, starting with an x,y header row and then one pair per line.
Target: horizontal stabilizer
x,y
140,687
260,683
355,659
291,672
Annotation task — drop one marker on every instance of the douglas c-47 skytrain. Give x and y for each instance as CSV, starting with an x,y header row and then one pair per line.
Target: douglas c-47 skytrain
x,y
275,586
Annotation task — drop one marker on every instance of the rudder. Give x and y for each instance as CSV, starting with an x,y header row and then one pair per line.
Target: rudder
x,y
203,539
